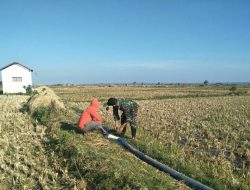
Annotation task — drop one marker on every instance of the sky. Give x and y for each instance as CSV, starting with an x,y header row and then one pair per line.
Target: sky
x,y
112,41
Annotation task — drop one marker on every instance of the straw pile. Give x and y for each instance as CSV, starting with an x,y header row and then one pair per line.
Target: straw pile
x,y
24,161
45,98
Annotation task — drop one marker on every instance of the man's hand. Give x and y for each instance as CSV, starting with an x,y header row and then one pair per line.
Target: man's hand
x,y
116,126
122,127
86,133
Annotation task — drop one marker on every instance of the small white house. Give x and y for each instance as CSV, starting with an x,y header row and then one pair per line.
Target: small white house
x,y
14,77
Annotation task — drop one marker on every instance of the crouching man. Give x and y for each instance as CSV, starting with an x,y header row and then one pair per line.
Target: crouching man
x,y
129,110
90,119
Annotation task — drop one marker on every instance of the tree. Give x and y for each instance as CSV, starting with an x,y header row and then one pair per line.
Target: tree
x,y
28,89
205,82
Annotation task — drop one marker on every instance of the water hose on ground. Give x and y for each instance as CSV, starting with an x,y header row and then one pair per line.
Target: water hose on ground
x,y
177,175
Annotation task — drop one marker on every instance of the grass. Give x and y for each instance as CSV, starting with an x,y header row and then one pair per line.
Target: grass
x,y
170,157
93,162
103,165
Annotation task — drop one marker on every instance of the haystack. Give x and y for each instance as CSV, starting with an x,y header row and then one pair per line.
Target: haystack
x,y
45,98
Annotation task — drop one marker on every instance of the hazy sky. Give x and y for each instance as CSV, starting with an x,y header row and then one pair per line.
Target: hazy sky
x,y
107,41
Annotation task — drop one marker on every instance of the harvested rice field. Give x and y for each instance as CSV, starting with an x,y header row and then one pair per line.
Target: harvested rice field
x,y
24,161
200,131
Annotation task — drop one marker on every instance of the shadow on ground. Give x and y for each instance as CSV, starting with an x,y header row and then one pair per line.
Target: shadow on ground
x,y
73,127
70,127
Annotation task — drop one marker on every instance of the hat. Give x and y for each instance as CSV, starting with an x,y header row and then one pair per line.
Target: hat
x,y
111,102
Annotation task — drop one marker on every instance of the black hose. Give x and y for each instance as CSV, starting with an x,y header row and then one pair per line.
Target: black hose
x,y
177,175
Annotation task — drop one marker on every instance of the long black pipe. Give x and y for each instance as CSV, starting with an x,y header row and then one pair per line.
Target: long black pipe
x,y
177,175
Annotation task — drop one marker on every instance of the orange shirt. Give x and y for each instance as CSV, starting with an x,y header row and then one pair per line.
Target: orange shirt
x,y
90,114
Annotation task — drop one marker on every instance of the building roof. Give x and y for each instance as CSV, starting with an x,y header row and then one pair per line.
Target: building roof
x,y
15,63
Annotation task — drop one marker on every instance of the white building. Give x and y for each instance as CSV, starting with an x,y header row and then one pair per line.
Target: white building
x,y
14,77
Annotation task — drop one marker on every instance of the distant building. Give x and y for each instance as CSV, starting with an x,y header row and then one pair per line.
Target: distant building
x,y
14,77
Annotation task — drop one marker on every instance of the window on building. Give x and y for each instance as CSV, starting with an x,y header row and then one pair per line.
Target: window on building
x,y
16,79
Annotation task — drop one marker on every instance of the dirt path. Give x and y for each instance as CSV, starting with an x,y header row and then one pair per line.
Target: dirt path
x,y
23,160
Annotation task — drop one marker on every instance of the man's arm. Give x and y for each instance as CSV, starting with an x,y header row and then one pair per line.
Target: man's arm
x,y
122,127
80,122
115,113
116,116
96,116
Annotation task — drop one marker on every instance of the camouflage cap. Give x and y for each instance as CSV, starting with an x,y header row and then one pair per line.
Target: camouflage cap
x,y
112,101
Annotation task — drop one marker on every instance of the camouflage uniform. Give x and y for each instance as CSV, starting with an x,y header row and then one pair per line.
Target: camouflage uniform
x,y
129,110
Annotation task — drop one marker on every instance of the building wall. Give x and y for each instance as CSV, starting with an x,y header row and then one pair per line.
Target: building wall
x,y
15,85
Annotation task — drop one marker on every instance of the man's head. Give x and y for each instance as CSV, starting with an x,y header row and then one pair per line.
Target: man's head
x,y
111,102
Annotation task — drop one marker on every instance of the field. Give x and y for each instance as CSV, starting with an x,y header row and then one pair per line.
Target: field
x,y
201,131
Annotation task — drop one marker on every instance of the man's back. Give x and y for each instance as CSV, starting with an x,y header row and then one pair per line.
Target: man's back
x,y
127,105
90,114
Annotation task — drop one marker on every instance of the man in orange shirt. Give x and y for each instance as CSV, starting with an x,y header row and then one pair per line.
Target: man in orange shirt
x,y
90,119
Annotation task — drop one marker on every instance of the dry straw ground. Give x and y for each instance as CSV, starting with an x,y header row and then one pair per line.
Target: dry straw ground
x,y
24,161
45,97
203,132
35,156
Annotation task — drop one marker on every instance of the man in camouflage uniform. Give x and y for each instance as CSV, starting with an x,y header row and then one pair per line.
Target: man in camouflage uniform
x,y
129,110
